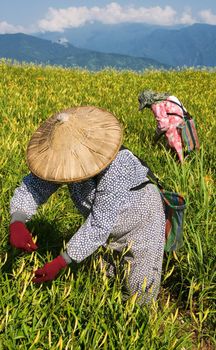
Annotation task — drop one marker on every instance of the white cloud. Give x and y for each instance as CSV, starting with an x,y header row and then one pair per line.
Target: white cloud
x,y
187,18
207,16
60,19
6,28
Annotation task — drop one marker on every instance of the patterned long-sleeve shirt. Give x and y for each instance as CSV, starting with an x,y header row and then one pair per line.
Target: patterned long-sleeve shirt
x,y
161,110
101,200
168,123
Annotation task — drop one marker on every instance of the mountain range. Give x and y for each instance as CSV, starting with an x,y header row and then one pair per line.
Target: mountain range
x,y
193,45
122,46
27,48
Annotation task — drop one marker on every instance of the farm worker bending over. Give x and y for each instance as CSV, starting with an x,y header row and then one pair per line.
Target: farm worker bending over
x,y
168,114
82,147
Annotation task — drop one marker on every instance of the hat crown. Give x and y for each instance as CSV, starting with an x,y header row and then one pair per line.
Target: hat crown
x,y
74,144
67,132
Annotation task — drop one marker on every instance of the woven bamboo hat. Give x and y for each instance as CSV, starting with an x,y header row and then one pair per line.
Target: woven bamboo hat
x,y
74,144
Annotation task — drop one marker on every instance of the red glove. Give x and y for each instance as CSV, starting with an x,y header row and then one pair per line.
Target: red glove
x,y
20,237
50,270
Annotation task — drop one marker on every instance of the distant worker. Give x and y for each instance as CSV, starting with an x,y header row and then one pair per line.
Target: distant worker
x,y
169,112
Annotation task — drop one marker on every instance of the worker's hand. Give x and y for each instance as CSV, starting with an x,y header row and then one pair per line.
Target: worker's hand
x,y
50,270
20,237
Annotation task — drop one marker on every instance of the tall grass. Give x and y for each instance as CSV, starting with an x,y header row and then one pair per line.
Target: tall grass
x,y
83,309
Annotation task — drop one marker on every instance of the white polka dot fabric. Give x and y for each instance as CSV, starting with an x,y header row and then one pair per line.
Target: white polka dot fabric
x,y
115,217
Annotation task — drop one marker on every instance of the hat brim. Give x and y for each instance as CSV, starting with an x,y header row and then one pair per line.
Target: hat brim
x,y
77,147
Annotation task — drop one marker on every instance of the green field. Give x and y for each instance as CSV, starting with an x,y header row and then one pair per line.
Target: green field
x,y
82,309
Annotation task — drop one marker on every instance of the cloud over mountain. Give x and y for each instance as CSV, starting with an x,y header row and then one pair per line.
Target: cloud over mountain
x,y
60,19
113,13
208,17
10,28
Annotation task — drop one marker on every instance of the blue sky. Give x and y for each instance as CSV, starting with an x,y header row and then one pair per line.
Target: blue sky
x,y
57,15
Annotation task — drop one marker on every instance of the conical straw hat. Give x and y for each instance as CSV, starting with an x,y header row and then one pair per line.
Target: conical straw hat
x,y
74,144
